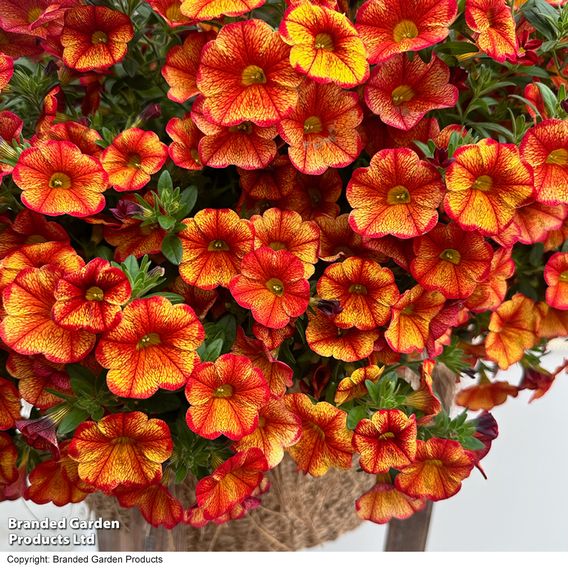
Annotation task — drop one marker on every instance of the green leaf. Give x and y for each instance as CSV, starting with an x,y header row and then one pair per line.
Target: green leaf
x,y
536,254
166,222
355,415
71,420
472,443
549,98
83,381
188,199
165,182
542,16
456,47
171,296
211,351
172,249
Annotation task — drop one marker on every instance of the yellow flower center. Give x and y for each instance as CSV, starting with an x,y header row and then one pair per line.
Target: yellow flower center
x,y
99,37
451,255
59,180
218,246
277,245
402,94
224,391
563,276
134,161
173,12
324,41
558,157
386,436
261,421
435,463
245,127
313,125
397,195
94,294
149,340
405,29
253,75
357,289
33,14
122,441
275,286
483,183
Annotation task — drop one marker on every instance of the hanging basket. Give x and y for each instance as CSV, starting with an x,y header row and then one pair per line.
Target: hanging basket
x,y
298,512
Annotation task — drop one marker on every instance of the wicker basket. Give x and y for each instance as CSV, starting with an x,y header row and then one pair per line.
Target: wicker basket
x,y
298,512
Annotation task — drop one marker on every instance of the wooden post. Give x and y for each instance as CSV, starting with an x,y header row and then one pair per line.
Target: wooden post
x,y
411,534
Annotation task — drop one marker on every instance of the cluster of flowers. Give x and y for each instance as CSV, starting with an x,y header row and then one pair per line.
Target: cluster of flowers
x,y
235,229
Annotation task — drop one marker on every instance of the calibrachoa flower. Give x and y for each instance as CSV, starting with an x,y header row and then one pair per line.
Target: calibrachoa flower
x,y
485,395
186,136
272,285
325,45
386,441
126,448
225,397
325,440
437,471
132,158
388,27
486,182
384,502
210,9
402,91
57,179
91,298
451,261
398,194
556,276
6,70
28,327
255,84
493,21
9,404
214,243
365,292
95,37
9,454
153,346
170,10
545,148
354,386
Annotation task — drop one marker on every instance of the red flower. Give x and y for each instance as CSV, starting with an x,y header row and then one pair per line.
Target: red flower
x,y
57,179
272,285
132,158
186,136
6,70
95,37
388,27
402,91
556,276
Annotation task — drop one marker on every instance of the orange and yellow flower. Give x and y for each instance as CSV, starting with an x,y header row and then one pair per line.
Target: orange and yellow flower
x,y
513,329
273,182
278,428
285,230
9,404
486,395
6,70
37,376
132,158
125,448
545,148
322,129
91,298
364,289
242,83
170,10
180,69
493,21
325,45
225,397
155,502
398,194
386,441
82,136
153,346
486,182
278,375
388,27
201,301
384,502
353,387
184,149
56,178
28,327
9,455
214,243
201,10
437,471
409,327
231,483
95,37
556,276
272,285
325,440
451,261
423,398
402,91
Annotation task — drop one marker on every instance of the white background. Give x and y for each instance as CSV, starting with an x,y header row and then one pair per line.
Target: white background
x,y
522,506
